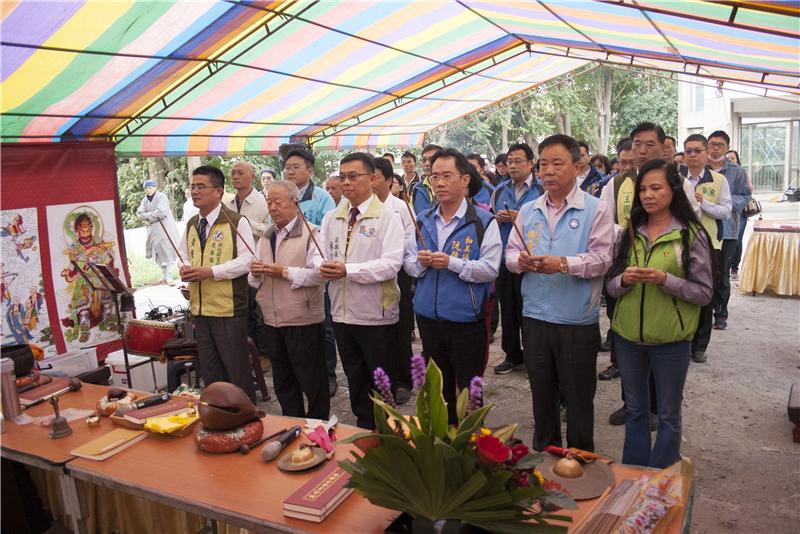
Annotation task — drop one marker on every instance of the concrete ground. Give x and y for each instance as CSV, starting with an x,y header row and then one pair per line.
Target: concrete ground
x,y
736,430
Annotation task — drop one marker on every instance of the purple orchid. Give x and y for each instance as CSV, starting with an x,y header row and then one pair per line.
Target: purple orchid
x,y
384,386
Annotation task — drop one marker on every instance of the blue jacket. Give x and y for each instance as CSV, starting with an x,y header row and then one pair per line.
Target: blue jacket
x,y
504,194
559,298
740,195
484,196
316,202
422,198
441,295
594,182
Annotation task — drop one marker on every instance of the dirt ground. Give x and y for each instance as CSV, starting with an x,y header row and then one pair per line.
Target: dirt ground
x,y
736,429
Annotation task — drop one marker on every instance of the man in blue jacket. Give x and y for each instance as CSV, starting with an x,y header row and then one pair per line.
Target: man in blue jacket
x,y
589,179
507,200
422,197
454,261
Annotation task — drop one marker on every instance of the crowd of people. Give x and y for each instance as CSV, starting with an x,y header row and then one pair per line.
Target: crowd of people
x,y
536,245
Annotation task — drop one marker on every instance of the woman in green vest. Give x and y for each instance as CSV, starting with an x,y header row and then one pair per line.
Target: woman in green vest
x,y
661,276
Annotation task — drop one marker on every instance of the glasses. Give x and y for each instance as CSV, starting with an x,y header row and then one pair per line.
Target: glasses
x,y
201,187
352,177
441,177
518,161
691,151
713,144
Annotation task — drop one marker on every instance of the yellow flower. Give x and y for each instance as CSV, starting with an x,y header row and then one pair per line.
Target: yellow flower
x,y
538,476
485,431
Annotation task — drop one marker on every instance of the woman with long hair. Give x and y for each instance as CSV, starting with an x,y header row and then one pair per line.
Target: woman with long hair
x,y
661,276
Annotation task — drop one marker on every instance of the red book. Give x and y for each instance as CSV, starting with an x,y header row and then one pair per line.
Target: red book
x,y
40,392
319,497
172,406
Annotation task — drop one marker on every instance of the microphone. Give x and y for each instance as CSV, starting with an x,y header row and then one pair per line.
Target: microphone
x,y
272,449
144,403
74,384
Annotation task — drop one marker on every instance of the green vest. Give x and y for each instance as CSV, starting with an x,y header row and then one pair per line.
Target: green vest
x,y
647,314
216,298
711,192
623,196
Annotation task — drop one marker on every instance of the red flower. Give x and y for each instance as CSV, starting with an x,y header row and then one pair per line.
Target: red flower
x,y
522,478
491,450
520,450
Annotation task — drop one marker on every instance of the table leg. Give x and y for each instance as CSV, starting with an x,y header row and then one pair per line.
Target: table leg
x,y
74,496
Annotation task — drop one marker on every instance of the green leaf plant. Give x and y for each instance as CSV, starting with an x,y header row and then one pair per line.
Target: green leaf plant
x,y
466,473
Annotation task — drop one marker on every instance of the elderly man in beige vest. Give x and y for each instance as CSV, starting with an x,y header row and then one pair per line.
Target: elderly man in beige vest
x,y
290,297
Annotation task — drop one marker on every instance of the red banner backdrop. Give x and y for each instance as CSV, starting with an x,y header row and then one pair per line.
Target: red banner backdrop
x,y
42,175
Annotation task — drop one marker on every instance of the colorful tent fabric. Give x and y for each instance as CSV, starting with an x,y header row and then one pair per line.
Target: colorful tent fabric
x,y
231,77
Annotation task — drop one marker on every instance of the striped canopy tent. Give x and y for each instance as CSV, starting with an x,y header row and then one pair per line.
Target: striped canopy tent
x,y
242,77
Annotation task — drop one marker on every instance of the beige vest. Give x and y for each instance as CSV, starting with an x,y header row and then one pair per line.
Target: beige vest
x,y
280,304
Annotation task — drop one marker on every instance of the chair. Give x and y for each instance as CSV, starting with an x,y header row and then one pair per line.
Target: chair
x,y
258,372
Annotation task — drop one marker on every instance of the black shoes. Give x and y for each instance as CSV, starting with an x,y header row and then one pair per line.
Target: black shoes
x,y
609,373
402,395
617,417
506,367
699,356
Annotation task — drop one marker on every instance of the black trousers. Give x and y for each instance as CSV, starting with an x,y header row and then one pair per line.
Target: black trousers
x,y
722,289
298,368
362,349
458,350
330,338
611,304
223,351
255,323
403,351
509,293
562,364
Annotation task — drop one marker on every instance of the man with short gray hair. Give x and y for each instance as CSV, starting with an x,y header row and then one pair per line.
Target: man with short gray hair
x,y
290,297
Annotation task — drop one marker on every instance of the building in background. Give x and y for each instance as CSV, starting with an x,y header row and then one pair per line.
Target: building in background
x,y
764,130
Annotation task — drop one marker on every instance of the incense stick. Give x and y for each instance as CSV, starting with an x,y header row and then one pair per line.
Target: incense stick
x,y
633,241
519,233
222,210
310,230
171,243
414,220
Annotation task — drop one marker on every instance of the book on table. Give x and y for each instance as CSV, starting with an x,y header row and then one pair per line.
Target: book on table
x,y
320,496
29,397
171,407
109,444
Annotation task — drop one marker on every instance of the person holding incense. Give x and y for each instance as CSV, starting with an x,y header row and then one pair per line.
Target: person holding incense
x,y
562,242
289,292
661,276
215,252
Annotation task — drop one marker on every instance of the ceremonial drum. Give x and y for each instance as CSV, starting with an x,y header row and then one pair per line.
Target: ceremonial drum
x,y
147,337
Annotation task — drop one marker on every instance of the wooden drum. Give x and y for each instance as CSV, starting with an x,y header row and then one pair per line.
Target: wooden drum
x,y
147,337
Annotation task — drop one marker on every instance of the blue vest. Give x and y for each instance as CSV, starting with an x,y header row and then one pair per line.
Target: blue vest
x,y
422,198
504,194
441,295
559,298
484,196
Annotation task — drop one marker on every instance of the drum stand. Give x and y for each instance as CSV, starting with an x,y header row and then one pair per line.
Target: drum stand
x,y
124,334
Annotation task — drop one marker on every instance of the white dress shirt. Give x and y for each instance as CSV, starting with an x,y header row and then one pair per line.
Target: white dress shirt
x,y
719,211
254,207
305,276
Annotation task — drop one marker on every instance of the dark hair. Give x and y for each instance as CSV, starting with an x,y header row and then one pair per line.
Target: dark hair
x,y
502,158
270,171
696,137
367,160
462,165
585,145
674,141
408,154
720,133
428,147
79,219
383,165
564,140
302,153
475,182
679,208
525,147
624,144
388,154
214,175
604,161
679,154
649,127
738,159
478,158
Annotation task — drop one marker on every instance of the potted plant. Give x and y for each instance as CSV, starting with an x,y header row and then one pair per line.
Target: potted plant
x,y
440,474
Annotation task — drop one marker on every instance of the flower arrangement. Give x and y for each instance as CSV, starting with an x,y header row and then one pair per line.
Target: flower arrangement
x,y
467,473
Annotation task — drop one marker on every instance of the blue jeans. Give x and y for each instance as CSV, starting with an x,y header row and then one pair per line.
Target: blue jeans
x,y
670,363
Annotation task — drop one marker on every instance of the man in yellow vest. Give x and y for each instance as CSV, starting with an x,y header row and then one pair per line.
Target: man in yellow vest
x,y
713,194
215,259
